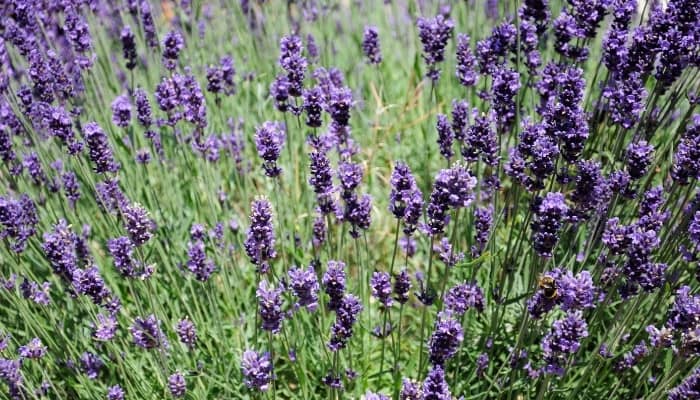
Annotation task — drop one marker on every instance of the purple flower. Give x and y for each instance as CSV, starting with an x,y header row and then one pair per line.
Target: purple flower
x,y
186,332
466,62
89,282
128,47
410,390
279,91
339,105
506,83
319,232
59,248
435,385
694,230
220,79
61,126
32,164
482,364
460,119
464,296
115,393
576,292
321,180
566,29
105,328
173,43
91,364
375,396
616,236
138,224
292,61
78,32
625,100
434,34
121,111
311,48
345,317
639,157
334,283
177,385
32,291
686,161
149,26
445,136
548,220
257,370
197,261
143,108
632,357
483,219
445,340
269,139
147,334
122,251
481,140
18,219
270,306
405,199
591,192
370,45
381,287
313,106
689,388
71,187
660,338
11,374
32,350
446,253
98,149
685,311
456,186
402,286
260,241
305,286
564,339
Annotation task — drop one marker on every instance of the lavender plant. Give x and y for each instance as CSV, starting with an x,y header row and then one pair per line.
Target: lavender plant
x,y
378,200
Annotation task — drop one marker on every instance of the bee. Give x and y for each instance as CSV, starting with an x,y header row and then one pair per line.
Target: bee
x,y
548,286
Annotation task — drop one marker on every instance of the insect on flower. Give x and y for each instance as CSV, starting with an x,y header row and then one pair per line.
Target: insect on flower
x,y
548,286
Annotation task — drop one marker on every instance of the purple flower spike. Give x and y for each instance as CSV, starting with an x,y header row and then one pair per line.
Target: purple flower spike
x,y
334,283
173,43
381,288
434,34
138,224
260,241
564,339
177,385
269,139
305,287
445,136
548,220
115,393
464,296
147,334
121,111
370,45
257,370
270,306
446,338
32,350
466,62
186,332
435,385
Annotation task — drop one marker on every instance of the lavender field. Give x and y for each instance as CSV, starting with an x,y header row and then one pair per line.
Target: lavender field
x,y
343,199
